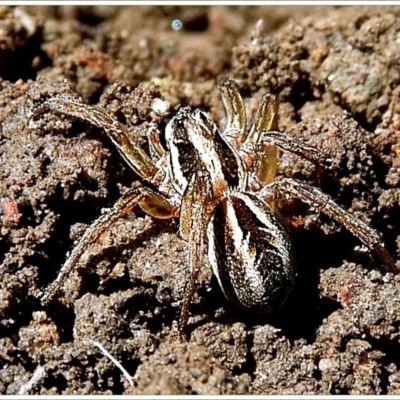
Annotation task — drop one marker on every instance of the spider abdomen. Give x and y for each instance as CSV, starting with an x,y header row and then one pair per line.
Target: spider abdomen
x,y
250,253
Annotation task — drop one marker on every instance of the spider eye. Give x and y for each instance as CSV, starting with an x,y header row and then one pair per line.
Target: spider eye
x,y
250,253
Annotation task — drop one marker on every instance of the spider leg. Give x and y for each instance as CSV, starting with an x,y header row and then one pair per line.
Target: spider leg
x,y
288,187
196,210
287,142
155,146
235,113
150,201
161,179
266,119
134,155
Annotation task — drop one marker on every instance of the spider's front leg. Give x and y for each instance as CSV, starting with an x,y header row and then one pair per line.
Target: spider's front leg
x,y
264,139
151,202
259,147
235,111
265,158
289,188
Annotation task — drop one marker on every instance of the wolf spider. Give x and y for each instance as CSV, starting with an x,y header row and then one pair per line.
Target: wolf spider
x,y
221,187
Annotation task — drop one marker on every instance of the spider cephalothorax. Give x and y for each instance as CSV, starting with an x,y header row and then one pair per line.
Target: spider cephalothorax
x,y
225,185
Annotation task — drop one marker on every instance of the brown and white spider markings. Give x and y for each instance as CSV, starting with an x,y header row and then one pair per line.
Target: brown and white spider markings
x,y
223,188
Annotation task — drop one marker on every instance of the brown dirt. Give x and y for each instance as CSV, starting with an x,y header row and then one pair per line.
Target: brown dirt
x,y
337,73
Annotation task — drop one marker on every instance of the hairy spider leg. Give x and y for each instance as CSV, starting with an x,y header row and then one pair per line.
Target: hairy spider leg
x,y
150,201
133,154
235,111
155,146
266,119
291,188
287,142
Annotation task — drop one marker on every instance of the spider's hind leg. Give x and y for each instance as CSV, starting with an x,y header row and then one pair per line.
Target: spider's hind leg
x,y
288,188
150,201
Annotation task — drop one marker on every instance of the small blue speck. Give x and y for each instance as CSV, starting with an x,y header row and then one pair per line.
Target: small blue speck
x,y
176,24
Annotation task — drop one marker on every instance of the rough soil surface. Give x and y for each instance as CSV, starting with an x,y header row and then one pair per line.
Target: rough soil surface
x,y
337,74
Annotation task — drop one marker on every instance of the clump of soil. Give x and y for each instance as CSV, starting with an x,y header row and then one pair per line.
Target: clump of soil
x,y
336,72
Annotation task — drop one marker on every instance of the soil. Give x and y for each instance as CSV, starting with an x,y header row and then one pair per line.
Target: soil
x,y
337,73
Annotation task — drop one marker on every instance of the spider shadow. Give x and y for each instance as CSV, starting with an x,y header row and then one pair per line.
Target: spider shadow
x,y
303,313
